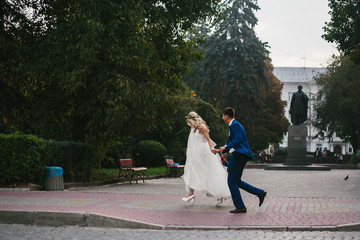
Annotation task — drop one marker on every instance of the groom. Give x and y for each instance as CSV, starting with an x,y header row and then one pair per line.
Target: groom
x,y
238,145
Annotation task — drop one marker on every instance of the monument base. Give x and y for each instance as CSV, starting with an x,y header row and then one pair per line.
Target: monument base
x,y
297,145
296,159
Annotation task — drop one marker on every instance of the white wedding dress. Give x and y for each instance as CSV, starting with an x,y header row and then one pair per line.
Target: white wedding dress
x,y
203,170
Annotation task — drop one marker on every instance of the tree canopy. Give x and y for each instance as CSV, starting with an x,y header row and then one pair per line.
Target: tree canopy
x,y
343,29
337,103
92,70
270,122
236,72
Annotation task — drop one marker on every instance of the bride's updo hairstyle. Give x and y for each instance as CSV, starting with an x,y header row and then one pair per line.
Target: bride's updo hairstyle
x,y
194,120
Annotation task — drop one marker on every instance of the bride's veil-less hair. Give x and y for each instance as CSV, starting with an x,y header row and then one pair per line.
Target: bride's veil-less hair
x,y
194,120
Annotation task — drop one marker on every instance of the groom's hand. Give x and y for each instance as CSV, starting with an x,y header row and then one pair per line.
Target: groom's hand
x,y
221,149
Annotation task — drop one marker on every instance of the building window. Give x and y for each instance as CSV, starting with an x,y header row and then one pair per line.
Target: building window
x,y
319,146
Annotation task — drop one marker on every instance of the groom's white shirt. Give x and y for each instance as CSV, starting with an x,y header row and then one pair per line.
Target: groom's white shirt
x,y
230,123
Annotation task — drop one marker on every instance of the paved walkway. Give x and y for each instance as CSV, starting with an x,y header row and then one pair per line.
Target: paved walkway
x,y
32,232
297,200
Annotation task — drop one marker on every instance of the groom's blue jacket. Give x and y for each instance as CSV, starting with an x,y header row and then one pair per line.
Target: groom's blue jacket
x,y
238,140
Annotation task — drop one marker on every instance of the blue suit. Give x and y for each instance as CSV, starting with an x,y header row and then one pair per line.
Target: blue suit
x,y
238,141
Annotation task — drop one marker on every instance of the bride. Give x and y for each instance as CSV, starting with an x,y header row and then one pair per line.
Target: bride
x,y
203,170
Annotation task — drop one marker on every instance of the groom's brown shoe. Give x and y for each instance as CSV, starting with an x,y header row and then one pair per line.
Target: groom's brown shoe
x,y
261,198
241,210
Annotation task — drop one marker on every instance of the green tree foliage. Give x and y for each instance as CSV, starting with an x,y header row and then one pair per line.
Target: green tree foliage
x,y
234,73
17,42
337,103
175,137
343,29
271,124
93,70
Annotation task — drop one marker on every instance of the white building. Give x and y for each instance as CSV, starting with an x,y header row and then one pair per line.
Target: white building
x,y
292,77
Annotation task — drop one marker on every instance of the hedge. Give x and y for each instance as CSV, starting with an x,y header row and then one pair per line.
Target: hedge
x,y
150,154
23,159
76,159
20,158
355,159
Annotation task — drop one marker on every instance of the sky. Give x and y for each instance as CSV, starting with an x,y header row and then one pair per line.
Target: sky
x,y
293,30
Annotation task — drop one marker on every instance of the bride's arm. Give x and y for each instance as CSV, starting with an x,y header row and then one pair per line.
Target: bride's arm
x,y
205,131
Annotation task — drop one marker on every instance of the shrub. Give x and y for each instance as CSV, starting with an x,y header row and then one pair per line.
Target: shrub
x,y
23,159
151,154
330,154
112,152
20,158
355,159
281,153
77,159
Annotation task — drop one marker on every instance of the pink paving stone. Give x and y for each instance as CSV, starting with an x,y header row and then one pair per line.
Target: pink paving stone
x,y
297,208
168,209
271,207
291,207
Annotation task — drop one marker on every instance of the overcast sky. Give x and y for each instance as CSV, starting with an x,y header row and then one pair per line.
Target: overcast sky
x,y
293,29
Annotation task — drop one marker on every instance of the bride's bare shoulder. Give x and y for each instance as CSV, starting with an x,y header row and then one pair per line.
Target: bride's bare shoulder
x,y
203,127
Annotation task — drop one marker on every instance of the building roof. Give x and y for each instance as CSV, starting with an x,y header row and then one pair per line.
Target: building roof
x,y
297,74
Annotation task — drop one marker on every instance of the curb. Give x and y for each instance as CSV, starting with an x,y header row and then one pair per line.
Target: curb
x,y
83,219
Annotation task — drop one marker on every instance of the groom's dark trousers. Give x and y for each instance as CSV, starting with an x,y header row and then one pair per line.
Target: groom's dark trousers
x,y
235,169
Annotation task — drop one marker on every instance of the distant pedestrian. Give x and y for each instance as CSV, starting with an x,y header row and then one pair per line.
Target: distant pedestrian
x,y
323,156
261,155
317,155
339,158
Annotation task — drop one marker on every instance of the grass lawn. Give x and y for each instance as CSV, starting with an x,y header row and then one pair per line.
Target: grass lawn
x,y
106,173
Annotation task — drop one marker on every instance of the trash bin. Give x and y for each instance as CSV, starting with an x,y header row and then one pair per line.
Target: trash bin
x,y
54,180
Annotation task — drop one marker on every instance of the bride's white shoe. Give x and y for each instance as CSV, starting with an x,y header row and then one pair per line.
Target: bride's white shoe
x,y
189,199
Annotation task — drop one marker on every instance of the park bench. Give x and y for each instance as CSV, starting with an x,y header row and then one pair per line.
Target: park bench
x,y
129,173
173,169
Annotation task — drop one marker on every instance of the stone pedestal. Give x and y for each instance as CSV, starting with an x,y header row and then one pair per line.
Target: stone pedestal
x,y
296,159
297,145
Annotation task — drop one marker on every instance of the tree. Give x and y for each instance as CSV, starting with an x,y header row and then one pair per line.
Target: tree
x,y
234,73
343,29
95,70
175,139
337,103
17,40
271,124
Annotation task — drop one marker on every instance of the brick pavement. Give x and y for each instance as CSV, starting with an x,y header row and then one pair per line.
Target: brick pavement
x,y
157,204
168,211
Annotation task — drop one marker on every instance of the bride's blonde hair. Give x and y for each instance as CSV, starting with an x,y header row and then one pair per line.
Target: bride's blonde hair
x,y
194,120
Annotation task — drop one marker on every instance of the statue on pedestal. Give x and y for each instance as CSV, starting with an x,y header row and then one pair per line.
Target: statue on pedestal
x,y
298,107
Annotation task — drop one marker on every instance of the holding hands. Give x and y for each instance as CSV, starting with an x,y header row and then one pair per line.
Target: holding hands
x,y
215,151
